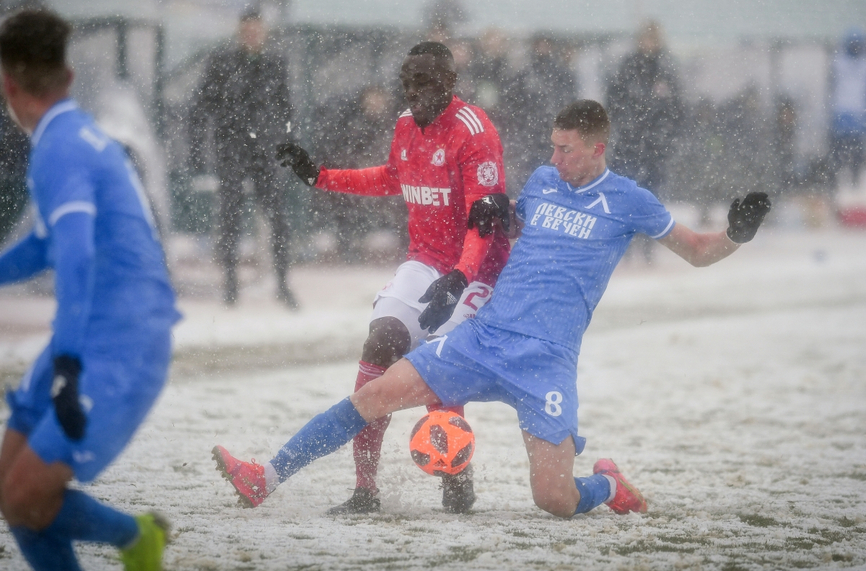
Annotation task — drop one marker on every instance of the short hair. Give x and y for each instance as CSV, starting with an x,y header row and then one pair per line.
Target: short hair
x,y
252,12
437,50
33,50
585,116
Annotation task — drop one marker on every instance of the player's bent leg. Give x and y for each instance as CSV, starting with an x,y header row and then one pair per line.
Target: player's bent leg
x,y
248,478
550,475
32,490
145,553
387,341
400,388
13,443
458,490
366,451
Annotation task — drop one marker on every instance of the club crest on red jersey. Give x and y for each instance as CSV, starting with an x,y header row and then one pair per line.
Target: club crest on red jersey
x,y
438,158
488,174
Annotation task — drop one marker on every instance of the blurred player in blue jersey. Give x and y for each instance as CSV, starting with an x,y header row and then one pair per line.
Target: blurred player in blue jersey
x,y
82,400
577,219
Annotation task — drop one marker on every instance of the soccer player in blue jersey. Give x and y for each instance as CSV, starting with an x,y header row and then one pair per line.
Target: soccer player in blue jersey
x,y
82,400
577,219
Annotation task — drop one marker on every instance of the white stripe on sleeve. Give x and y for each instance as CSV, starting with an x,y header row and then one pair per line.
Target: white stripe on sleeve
x,y
69,207
663,232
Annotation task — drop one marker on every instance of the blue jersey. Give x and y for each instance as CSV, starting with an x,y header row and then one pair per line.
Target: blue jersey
x,y
90,208
572,240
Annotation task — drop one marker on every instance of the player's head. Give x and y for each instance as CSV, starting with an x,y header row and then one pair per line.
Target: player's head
x,y
428,76
33,63
580,135
33,52
252,31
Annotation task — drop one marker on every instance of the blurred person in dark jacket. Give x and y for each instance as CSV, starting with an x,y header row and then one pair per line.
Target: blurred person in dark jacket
x,y
536,95
492,74
244,98
646,111
363,127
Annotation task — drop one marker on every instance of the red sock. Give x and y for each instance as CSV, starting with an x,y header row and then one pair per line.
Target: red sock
x,y
367,445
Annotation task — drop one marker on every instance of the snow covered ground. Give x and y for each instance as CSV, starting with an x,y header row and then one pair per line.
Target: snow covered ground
x,y
734,396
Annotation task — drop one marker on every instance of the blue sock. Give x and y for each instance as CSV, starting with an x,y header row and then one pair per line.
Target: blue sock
x,y
594,490
82,518
324,434
45,551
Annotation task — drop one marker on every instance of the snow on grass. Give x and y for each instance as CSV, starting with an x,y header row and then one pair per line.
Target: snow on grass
x,y
734,397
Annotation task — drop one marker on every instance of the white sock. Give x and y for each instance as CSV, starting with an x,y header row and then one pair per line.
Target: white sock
x,y
271,478
609,479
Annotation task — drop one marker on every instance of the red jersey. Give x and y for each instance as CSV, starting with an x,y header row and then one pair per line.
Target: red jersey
x,y
440,171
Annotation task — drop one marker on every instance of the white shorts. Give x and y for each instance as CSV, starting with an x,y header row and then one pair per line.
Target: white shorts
x,y
399,299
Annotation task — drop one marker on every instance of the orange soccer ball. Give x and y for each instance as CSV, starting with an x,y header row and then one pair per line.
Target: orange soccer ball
x,y
442,442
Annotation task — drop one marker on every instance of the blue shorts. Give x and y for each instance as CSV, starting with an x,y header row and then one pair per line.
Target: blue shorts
x,y
476,362
121,378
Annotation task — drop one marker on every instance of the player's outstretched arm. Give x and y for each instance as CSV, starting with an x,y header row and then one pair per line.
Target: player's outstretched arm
x,y
703,249
23,260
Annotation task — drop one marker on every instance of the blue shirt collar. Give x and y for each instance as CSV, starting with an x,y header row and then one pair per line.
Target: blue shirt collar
x,y
594,183
58,108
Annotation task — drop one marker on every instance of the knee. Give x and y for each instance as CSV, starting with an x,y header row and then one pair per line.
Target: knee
x,y
23,504
387,342
16,505
555,504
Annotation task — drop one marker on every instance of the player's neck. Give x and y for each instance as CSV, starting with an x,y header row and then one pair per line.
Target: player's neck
x,y
31,110
589,176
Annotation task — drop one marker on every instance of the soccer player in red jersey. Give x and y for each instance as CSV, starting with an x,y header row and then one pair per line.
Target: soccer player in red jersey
x,y
445,159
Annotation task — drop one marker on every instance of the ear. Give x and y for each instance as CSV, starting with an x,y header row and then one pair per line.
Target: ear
x,y
449,79
598,150
10,88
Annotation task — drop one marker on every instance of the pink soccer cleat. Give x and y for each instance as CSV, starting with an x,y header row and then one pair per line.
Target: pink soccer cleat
x,y
627,497
248,478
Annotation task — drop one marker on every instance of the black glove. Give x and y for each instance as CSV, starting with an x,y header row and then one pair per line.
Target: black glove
x,y
64,393
484,212
745,217
442,295
295,156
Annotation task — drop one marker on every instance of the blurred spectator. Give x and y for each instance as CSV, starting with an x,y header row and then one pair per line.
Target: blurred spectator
x,y
244,97
464,58
491,73
441,17
646,111
848,89
362,129
538,93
